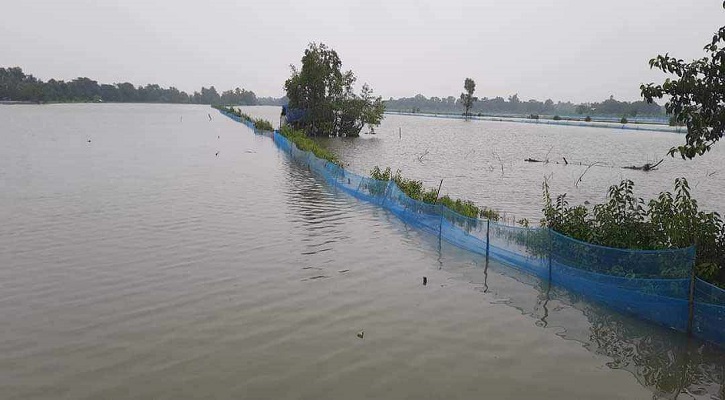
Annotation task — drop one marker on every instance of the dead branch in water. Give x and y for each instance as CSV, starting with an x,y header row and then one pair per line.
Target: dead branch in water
x,y
646,167
546,158
585,171
499,160
532,160
420,157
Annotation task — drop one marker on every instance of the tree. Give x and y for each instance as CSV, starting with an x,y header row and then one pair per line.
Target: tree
x,y
697,96
209,96
16,85
467,98
327,96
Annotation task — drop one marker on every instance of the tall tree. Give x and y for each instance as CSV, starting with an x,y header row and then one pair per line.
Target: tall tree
x,y
697,95
327,96
467,98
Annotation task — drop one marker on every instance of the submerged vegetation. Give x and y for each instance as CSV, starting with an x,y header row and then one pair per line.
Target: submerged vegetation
x,y
261,124
628,222
415,190
233,111
304,143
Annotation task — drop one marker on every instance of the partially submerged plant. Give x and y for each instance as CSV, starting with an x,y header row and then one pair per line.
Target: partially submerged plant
x,y
627,222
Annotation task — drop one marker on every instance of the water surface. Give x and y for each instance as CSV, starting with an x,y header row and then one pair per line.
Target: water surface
x,y
483,161
148,252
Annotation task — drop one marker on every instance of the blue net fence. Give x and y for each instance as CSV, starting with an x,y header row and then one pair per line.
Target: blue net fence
x,y
653,285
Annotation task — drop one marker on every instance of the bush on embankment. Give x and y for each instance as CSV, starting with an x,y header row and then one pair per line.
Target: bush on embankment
x,y
263,125
304,143
415,190
627,222
259,123
233,111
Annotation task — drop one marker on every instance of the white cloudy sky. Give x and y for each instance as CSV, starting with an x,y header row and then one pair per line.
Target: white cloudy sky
x,y
579,50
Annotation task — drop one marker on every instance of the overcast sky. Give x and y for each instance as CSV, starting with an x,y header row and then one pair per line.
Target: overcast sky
x,y
578,50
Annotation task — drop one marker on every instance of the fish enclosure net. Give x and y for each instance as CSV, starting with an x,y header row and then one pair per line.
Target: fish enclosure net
x,y
652,285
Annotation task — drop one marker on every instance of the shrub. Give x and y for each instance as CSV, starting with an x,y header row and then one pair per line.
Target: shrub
x,y
304,143
557,118
233,111
627,222
263,125
415,190
588,119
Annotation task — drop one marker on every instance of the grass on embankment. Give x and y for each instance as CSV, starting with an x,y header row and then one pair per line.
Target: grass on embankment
x,y
415,190
259,123
304,143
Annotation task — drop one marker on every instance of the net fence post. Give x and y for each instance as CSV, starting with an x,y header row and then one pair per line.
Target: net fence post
x,y
440,212
440,226
488,238
691,295
551,245
385,194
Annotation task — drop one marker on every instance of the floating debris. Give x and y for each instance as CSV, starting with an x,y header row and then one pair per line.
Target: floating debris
x,y
361,334
646,167
315,278
425,281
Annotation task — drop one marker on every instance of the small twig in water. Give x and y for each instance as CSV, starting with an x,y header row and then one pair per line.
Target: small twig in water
x,y
420,157
546,158
499,160
585,171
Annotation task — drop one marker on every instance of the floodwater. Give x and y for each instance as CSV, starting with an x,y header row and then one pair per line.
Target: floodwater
x,y
147,251
483,161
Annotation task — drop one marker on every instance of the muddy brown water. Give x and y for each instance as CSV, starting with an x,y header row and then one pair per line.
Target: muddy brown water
x,y
136,262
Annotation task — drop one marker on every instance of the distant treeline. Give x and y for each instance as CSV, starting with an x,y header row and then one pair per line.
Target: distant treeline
x,y
16,85
513,105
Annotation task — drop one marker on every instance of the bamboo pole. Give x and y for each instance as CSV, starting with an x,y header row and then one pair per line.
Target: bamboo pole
x,y
691,297
488,239
440,222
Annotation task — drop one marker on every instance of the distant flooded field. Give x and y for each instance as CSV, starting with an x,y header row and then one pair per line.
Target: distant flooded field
x,y
147,251
483,161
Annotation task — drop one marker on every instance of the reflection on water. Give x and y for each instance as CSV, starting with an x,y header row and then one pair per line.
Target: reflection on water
x,y
667,362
